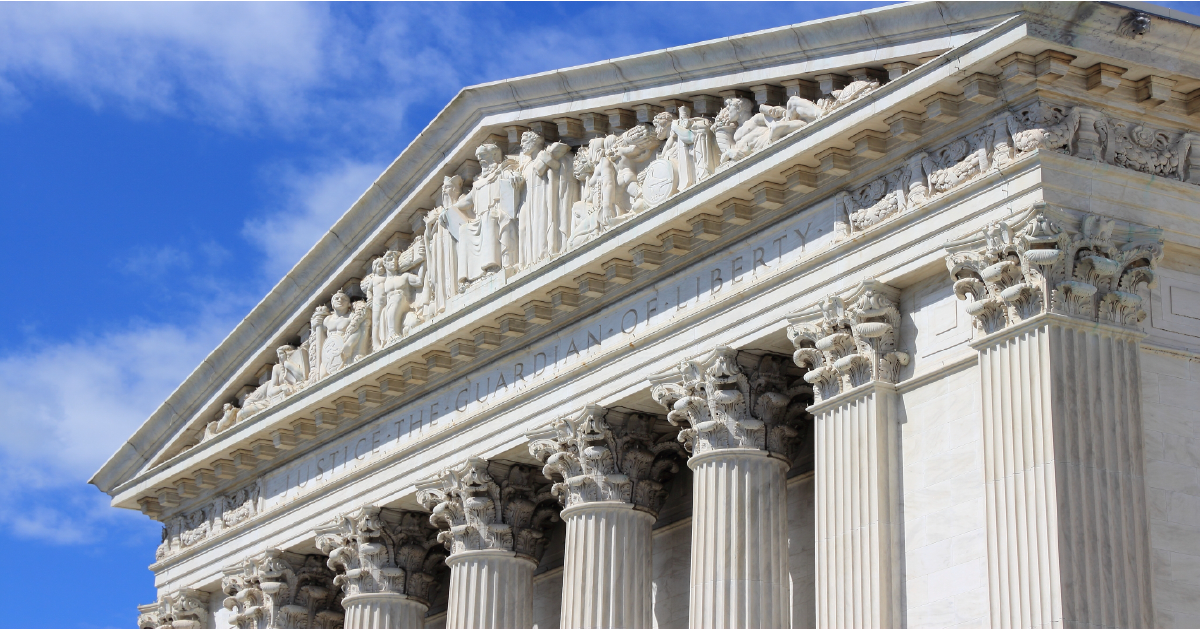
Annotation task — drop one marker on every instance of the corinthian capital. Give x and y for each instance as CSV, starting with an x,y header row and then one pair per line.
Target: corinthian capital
x,y
591,460
376,550
475,512
725,405
181,609
1045,260
846,342
282,590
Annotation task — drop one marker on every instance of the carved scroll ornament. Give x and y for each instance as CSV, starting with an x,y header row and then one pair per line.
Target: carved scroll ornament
x,y
181,609
282,590
723,405
1046,261
376,550
475,512
846,342
590,460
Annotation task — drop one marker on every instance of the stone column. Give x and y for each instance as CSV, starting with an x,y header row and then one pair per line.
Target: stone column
x,y
494,533
610,479
182,609
279,589
1059,325
742,430
388,562
848,345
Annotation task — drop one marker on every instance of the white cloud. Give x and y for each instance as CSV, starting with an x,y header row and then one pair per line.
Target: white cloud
x,y
309,204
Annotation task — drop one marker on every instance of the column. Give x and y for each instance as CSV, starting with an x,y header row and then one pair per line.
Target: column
x,y
185,609
848,345
609,476
743,431
494,533
388,563
1058,322
280,589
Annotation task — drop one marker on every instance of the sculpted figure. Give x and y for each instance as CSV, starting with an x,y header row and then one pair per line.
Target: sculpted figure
x,y
541,213
485,217
771,123
226,417
372,287
340,335
288,375
633,149
405,276
441,274
852,92
730,126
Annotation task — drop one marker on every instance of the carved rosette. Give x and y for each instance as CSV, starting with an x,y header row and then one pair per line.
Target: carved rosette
x,y
475,512
724,405
846,342
377,551
1046,261
181,609
591,460
282,590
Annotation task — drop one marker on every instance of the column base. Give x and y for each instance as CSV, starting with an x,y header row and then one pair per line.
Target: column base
x,y
384,611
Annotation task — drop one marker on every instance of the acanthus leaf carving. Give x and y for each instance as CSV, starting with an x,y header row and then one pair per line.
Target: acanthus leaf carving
x,y
282,590
591,460
181,609
375,550
847,341
475,512
722,405
1046,261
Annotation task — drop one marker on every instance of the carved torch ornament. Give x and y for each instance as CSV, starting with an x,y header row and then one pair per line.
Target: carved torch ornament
x,y
846,342
590,460
1046,261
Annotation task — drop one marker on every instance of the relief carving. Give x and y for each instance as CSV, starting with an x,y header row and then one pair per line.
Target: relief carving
x,y
723,405
222,513
1045,261
475,512
591,460
846,342
282,590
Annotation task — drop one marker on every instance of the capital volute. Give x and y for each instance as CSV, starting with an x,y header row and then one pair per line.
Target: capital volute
x,y
280,589
181,609
722,404
375,550
475,511
592,459
1046,260
846,341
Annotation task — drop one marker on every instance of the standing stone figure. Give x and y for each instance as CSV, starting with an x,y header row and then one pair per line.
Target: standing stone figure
x,y
441,273
485,217
340,335
540,216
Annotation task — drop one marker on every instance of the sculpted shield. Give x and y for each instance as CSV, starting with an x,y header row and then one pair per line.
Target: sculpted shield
x,y
660,181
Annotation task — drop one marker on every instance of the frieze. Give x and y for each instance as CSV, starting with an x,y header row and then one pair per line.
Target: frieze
x,y
222,513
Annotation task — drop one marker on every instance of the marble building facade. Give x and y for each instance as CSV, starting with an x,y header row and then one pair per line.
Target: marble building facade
x,y
885,320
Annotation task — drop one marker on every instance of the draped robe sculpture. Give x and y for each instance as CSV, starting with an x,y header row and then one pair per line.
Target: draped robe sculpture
x,y
485,218
543,230
441,273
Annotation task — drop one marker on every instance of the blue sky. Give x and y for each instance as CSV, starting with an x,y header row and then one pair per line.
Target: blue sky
x,y
161,166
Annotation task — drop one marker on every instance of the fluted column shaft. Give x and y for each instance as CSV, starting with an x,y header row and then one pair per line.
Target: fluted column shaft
x,y
384,611
857,509
1068,540
490,589
608,568
739,572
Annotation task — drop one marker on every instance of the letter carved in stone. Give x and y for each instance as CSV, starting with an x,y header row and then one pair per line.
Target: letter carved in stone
x,y
724,405
846,342
376,550
181,609
1047,261
475,512
282,590
591,460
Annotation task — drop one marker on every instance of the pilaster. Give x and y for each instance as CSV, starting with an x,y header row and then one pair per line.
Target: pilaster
x,y
1055,300
494,532
849,346
610,479
742,428
387,562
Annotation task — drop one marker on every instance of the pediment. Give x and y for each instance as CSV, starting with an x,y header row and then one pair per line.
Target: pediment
x,y
470,239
